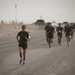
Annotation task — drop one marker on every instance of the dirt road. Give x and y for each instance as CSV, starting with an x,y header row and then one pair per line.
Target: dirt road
x,y
41,60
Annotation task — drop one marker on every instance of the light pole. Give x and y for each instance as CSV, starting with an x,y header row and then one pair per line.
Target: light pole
x,y
16,16
16,13
59,17
40,17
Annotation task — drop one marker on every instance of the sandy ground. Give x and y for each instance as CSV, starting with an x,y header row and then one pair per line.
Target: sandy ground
x,y
14,26
9,29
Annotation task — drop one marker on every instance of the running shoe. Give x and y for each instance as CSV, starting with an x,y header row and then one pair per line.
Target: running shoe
x,y
67,44
23,63
50,45
20,61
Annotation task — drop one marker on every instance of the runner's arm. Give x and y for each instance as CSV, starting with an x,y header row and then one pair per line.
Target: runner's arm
x,y
17,37
28,37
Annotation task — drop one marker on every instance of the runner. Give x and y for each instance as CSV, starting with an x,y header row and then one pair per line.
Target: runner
x,y
68,30
22,37
46,27
59,33
50,33
72,27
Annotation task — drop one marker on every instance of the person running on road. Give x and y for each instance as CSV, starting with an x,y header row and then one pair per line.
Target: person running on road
x,y
59,33
50,33
46,27
72,27
67,30
22,37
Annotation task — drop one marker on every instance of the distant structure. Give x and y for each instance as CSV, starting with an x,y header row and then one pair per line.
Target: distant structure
x,y
65,22
40,21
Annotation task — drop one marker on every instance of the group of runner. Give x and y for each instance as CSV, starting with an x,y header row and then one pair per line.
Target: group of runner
x,y
23,36
68,30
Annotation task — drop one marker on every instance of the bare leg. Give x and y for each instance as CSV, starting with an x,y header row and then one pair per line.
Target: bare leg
x,y
72,36
20,54
49,42
24,55
67,41
59,40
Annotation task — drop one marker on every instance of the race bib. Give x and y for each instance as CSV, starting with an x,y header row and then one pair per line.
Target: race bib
x,y
29,37
60,31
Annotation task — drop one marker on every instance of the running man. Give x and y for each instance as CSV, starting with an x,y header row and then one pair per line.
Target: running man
x,y
46,27
22,37
59,33
50,33
68,30
72,27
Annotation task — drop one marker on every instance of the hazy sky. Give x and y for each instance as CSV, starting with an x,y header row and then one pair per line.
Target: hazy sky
x,y
29,11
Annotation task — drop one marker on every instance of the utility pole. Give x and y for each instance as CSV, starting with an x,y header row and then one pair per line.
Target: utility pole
x,y
16,13
59,17
16,16
40,17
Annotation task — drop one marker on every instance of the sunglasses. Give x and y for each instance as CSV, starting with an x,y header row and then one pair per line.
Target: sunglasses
x,y
23,27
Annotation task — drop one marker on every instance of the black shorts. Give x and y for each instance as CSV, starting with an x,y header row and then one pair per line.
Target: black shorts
x,y
60,35
23,45
67,34
50,36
